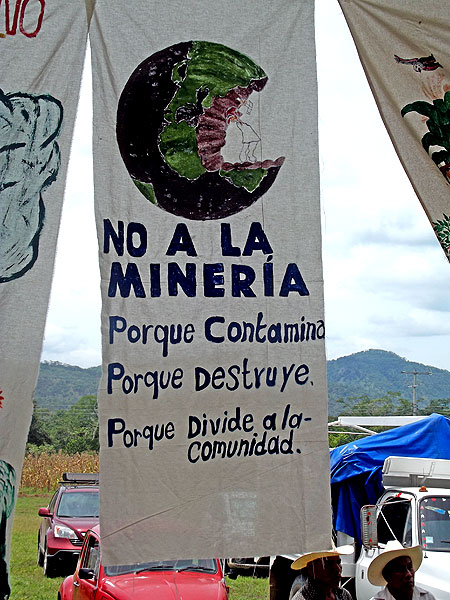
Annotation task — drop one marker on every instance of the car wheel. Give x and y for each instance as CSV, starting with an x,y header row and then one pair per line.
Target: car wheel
x,y
48,565
297,585
40,556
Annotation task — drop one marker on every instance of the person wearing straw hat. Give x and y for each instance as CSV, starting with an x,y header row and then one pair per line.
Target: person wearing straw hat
x,y
394,568
323,575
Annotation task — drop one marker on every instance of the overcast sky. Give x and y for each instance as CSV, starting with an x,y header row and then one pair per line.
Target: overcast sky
x,y
387,280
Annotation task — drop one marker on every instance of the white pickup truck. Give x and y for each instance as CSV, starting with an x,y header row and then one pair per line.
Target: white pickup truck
x,y
414,509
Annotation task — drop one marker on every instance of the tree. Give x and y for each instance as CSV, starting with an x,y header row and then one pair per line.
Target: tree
x,y
76,429
391,404
441,407
37,434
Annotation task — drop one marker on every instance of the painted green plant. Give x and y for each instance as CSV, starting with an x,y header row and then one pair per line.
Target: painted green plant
x,y
7,495
438,124
442,230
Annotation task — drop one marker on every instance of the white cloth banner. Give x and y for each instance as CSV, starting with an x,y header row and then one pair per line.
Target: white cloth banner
x,y
213,400
42,47
405,51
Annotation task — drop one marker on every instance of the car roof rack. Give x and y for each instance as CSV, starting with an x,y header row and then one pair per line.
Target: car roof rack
x,y
408,471
80,478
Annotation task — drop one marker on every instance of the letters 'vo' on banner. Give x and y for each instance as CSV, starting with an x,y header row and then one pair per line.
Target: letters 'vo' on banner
x,y
42,45
405,51
213,401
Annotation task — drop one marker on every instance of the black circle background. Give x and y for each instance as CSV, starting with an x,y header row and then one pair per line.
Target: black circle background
x,y
140,121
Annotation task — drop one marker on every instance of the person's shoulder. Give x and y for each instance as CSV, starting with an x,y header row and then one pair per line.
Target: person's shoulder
x,y
346,595
380,595
424,595
298,596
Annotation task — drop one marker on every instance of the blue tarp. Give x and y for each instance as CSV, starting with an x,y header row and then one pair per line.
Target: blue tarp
x,y
356,467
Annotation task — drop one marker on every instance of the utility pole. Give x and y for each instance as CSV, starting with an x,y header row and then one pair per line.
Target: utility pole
x,y
415,384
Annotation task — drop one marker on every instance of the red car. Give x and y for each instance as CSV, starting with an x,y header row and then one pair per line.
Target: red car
x,y
161,580
72,511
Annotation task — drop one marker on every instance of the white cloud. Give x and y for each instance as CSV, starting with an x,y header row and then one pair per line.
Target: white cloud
x,y
386,278
72,333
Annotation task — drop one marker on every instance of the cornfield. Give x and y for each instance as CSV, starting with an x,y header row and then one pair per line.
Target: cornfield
x,y
43,471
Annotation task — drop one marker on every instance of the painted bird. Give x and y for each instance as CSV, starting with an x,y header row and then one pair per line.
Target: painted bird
x,y
426,63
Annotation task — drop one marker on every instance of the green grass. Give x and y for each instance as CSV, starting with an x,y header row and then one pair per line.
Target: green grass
x,y
28,581
249,588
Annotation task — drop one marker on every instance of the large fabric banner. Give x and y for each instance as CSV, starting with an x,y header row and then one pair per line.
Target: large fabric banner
x,y
42,48
405,51
213,400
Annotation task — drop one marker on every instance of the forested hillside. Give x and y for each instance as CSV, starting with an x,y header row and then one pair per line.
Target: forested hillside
x,y
371,374
376,373
366,383
60,385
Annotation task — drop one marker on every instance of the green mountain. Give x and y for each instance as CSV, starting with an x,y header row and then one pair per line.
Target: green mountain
x,y
372,373
60,385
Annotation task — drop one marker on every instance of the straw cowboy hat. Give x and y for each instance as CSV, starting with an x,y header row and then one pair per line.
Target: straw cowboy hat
x,y
393,550
308,557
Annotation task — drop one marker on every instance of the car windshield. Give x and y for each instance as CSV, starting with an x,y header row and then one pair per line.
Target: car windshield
x,y
79,504
435,523
207,565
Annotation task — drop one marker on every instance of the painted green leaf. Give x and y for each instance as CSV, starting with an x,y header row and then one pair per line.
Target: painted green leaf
x,y
428,140
438,124
421,107
442,230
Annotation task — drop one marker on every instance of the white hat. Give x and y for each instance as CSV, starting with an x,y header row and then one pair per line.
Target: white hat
x,y
308,557
393,550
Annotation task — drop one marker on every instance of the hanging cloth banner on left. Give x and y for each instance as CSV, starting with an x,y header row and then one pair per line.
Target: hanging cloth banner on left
x,y
405,52
43,46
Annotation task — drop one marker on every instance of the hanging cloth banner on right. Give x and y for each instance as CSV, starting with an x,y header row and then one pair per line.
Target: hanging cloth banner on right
x,y
405,52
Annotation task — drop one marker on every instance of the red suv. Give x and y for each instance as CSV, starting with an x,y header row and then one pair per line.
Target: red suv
x,y
72,511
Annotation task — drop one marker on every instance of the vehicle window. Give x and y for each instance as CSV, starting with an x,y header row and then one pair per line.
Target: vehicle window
x,y
203,565
435,523
92,554
79,504
167,565
394,521
51,506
